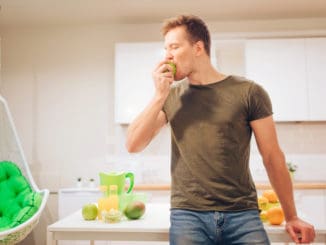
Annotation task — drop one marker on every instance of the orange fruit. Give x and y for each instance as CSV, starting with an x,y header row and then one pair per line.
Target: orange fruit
x,y
270,195
275,216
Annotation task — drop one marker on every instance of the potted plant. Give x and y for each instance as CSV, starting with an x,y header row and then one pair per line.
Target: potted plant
x,y
91,183
292,168
79,182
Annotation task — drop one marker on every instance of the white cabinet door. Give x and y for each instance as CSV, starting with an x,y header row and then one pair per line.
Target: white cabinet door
x,y
134,87
311,206
70,200
316,77
279,66
229,56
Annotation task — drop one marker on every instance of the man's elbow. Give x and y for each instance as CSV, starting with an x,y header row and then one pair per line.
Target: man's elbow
x,y
132,147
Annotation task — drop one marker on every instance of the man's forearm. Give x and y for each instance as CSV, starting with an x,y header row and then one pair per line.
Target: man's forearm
x,y
143,128
282,184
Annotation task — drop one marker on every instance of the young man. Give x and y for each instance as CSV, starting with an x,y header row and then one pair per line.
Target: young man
x,y
212,116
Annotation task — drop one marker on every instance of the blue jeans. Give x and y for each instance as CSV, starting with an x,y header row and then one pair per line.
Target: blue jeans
x,y
210,227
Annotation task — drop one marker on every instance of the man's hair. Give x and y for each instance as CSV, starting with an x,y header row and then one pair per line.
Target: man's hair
x,y
196,28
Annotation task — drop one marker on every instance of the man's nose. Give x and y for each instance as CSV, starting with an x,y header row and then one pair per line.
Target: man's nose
x,y
168,55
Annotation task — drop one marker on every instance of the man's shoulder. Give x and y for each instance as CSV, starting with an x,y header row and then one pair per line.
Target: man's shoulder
x,y
241,80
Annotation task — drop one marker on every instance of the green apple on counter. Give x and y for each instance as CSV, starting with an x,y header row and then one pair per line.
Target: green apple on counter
x,y
89,211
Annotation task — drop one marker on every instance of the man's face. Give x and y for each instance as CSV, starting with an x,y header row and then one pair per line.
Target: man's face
x,y
180,51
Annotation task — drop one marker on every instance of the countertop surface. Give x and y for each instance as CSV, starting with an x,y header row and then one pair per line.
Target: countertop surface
x,y
155,222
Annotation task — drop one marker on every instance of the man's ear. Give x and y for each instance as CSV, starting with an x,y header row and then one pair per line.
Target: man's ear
x,y
199,48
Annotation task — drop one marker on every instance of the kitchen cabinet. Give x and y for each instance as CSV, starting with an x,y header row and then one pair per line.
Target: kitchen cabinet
x,y
134,87
229,56
311,206
72,199
292,71
316,76
279,66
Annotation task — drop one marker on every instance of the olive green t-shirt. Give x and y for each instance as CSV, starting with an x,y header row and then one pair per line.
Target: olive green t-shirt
x,y
211,143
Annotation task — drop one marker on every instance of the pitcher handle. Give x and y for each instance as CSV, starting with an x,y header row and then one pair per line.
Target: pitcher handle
x,y
131,182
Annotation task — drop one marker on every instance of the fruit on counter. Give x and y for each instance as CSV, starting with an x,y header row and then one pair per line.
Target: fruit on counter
x,y
271,196
89,211
268,201
263,215
134,210
275,215
272,205
262,203
111,216
174,67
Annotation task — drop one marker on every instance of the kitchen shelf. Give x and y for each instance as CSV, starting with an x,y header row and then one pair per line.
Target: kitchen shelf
x,y
259,186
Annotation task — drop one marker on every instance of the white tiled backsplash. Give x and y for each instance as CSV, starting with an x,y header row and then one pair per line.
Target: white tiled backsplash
x,y
156,169
303,144
310,167
147,169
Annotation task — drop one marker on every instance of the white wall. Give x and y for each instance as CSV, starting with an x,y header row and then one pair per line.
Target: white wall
x,y
59,85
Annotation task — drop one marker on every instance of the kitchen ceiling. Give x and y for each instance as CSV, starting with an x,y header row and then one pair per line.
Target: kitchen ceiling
x,y
47,12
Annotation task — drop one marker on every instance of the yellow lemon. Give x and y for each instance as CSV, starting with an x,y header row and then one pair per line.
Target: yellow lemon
x,y
262,203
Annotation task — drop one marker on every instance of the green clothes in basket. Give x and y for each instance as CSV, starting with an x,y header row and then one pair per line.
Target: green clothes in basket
x,y
18,202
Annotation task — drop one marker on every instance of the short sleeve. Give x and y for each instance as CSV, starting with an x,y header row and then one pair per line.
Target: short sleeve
x,y
167,107
259,103
173,103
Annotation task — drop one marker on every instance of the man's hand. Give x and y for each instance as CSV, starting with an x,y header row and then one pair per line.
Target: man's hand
x,y
163,78
300,231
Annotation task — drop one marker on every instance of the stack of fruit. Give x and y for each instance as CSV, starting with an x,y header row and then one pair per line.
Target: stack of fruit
x,y
134,210
270,208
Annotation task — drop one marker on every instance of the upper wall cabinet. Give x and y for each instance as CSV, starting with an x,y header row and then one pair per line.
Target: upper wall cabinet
x,y
293,72
279,66
229,56
134,87
316,76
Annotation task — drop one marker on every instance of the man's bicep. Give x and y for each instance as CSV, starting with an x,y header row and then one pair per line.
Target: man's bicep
x,y
160,122
265,135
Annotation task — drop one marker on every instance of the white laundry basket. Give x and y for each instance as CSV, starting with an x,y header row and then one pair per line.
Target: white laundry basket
x,y
11,150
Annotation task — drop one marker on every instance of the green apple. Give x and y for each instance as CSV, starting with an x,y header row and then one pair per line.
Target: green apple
x,y
89,211
174,67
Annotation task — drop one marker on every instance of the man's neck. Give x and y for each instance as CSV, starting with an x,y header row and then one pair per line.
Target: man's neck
x,y
206,75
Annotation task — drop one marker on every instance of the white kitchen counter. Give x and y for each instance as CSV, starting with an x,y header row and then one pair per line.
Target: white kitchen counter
x,y
153,226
